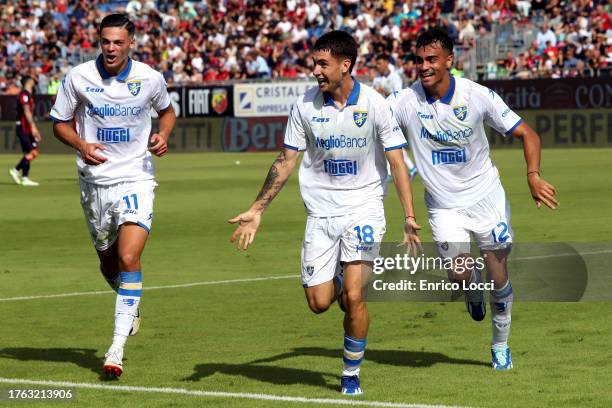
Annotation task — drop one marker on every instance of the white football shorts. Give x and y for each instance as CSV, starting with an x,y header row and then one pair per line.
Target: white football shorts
x,y
107,207
488,221
331,240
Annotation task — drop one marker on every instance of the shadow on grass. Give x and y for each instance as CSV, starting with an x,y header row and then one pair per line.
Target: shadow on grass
x,y
265,373
85,358
258,370
403,358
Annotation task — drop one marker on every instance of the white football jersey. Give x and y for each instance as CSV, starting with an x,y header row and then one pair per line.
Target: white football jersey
x,y
114,111
448,140
344,167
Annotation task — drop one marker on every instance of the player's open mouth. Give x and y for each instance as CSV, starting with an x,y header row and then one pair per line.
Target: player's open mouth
x,y
110,59
427,75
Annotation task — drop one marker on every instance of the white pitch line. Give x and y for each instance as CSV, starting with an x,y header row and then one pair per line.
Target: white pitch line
x,y
265,278
527,258
218,394
182,285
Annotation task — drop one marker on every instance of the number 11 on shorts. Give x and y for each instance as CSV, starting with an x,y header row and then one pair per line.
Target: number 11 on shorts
x,y
127,201
365,234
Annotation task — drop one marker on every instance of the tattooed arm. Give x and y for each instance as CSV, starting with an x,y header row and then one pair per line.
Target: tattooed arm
x,y
249,221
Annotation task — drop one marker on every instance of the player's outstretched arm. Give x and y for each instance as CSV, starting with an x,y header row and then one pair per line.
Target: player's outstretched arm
x,y
248,221
67,135
399,172
159,140
541,190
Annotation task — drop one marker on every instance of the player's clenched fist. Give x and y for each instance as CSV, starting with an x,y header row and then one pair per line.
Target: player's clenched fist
x,y
90,155
159,145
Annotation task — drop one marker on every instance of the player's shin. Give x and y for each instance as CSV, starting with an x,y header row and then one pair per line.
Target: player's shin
x,y
474,297
126,305
501,314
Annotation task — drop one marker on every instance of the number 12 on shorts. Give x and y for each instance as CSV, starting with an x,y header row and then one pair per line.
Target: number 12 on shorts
x,y
128,203
365,234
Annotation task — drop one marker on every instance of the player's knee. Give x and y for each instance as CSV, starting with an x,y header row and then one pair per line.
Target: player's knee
x,y
353,299
318,305
459,271
32,155
129,261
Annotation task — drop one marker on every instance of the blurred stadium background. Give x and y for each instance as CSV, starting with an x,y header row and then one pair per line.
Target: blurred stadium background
x,y
234,68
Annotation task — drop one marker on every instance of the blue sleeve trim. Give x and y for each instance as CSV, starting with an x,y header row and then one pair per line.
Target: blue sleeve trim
x,y
388,149
286,146
514,127
56,120
140,224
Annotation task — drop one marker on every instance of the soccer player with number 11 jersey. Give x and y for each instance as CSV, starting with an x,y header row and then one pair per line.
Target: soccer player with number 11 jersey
x,y
110,100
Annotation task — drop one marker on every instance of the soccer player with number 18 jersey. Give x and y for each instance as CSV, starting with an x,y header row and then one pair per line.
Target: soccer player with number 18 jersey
x,y
110,100
346,131
444,117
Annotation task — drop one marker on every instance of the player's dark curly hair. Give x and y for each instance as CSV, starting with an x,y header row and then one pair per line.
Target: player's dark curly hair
x,y
340,44
117,20
435,35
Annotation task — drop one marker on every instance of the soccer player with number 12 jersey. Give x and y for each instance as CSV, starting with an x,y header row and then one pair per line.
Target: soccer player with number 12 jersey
x,y
443,118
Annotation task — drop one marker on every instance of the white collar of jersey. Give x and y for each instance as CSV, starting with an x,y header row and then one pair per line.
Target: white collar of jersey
x,y
122,76
352,99
448,96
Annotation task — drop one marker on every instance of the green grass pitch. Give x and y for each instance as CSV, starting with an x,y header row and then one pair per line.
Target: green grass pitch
x,y
258,336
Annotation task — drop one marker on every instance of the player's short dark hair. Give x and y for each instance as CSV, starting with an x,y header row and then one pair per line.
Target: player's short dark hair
x,y
384,56
26,78
118,20
435,35
340,44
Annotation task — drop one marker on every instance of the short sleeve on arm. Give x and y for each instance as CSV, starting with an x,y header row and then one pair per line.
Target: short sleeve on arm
x,y
161,99
401,111
66,102
496,113
295,135
388,131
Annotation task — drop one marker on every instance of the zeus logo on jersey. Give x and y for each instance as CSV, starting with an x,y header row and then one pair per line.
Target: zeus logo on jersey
x,y
340,142
340,167
96,90
421,115
113,135
448,156
319,120
113,110
446,135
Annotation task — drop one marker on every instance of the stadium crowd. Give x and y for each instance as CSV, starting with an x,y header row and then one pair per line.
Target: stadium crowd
x,y
199,41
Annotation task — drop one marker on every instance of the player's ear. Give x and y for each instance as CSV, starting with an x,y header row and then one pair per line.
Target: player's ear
x,y
449,61
346,65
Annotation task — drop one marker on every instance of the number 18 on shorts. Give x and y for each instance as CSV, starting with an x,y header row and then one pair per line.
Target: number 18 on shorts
x,y
331,240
